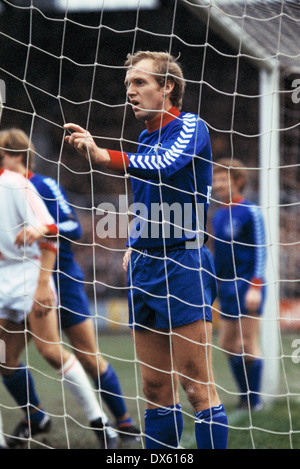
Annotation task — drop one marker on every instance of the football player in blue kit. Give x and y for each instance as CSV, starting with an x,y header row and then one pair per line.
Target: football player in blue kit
x,y
75,317
171,282
240,255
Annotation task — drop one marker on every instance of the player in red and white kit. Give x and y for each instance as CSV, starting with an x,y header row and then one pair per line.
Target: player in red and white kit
x,y
27,302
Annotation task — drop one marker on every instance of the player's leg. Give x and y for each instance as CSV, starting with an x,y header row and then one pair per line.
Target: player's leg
x,y
230,341
253,361
239,338
82,338
163,417
192,352
48,343
3,444
20,384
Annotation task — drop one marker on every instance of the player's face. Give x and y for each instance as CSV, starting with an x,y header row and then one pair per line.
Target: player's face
x,y
224,189
144,93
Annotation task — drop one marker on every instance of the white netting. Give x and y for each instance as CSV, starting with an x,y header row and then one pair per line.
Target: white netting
x,y
58,66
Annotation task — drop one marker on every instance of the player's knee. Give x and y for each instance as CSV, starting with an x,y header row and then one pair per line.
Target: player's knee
x,y
154,391
196,392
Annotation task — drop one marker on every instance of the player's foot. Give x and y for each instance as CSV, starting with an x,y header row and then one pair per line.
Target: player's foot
x,y
107,436
23,431
129,435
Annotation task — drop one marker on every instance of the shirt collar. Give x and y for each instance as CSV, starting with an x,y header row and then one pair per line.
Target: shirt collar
x,y
235,201
160,121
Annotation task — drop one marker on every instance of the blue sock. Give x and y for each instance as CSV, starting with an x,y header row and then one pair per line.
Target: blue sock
x,y
238,369
254,372
21,387
112,393
211,428
163,427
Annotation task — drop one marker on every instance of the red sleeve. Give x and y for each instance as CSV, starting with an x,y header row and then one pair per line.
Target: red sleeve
x,y
118,160
257,282
52,229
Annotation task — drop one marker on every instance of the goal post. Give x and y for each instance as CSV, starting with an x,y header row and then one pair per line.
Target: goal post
x,y
269,189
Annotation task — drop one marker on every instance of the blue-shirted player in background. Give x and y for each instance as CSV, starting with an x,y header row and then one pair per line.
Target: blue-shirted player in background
x,y
171,282
75,318
240,255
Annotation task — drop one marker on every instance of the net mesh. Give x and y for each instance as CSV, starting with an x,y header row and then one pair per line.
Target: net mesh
x,y
61,66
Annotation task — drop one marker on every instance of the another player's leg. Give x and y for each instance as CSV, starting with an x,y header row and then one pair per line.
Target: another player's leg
x,y
230,342
45,332
253,361
192,352
20,384
82,338
240,341
163,416
3,444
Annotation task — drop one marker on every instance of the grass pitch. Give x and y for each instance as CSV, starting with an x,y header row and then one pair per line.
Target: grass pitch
x,y
275,427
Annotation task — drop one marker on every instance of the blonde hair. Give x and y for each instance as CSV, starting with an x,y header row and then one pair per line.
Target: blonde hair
x,y
166,68
235,169
15,142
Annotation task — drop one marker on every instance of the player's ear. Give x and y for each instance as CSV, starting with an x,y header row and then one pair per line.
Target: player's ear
x,y
169,87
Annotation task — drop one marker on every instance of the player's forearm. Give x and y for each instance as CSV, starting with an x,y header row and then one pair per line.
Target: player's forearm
x,y
48,258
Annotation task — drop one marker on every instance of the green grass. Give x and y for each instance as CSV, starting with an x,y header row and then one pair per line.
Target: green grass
x,y
275,427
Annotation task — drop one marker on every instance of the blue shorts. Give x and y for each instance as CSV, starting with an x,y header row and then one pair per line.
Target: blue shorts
x,y
164,294
232,299
73,300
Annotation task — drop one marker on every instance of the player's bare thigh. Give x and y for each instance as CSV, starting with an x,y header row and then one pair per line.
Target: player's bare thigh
x,y
159,378
241,335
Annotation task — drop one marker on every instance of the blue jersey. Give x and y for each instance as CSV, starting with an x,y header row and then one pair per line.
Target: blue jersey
x,y
171,176
239,242
67,223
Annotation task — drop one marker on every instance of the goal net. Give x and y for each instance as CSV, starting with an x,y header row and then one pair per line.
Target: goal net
x,y
63,61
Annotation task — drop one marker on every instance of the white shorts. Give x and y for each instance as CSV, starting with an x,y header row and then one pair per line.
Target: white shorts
x,y
18,283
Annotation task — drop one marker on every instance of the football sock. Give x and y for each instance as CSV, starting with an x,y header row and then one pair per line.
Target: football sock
x,y
254,373
253,370
163,427
211,428
237,365
77,382
20,385
112,393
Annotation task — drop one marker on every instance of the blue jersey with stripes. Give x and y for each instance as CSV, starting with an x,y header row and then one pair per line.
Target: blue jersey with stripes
x,y
239,242
68,225
171,176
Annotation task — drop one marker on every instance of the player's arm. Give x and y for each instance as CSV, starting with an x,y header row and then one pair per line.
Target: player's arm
x,y
67,224
44,299
39,220
188,139
253,296
30,234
